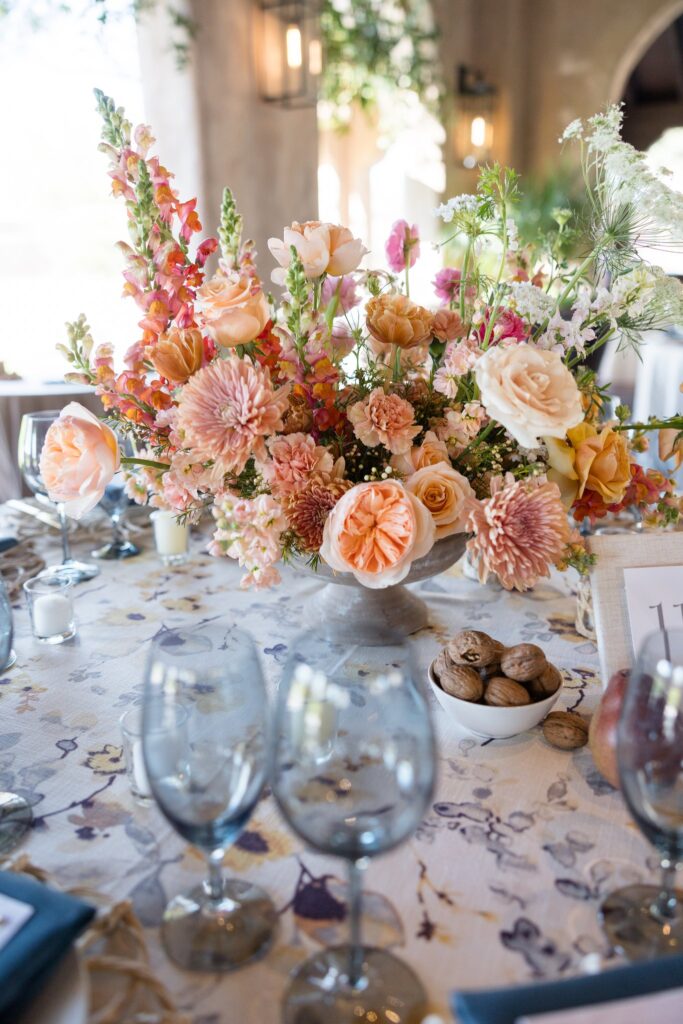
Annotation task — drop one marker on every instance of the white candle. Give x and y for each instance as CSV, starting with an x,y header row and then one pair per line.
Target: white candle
x,y
170,536
52,614
139,770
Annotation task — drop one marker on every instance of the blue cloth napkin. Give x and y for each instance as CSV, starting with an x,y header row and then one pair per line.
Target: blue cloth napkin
x,y
505,1005
30,956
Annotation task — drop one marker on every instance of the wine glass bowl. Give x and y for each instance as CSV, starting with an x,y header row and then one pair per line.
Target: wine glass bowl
x,y
32,434
205,740
353,772
647,920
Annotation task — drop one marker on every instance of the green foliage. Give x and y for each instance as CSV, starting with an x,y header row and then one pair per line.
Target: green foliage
x,y
369,44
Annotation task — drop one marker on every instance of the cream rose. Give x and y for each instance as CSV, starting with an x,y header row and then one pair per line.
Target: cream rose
x,y
375,531
529,391
233,310
445,493
78,460
323,248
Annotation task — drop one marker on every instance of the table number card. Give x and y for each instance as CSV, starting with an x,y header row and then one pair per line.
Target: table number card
x,y
654,596
621,626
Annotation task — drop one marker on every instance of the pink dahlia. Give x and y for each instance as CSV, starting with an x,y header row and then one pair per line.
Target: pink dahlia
x,y
384,419
402,245
519,532
226,410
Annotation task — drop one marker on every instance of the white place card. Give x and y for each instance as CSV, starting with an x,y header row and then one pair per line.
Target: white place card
x,y
661,1007
654,598
13,915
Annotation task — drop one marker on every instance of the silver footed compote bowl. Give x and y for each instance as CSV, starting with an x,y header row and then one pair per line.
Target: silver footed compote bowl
x,y
345,606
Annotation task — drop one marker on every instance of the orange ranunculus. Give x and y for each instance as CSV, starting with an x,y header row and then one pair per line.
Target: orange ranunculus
x,y
375,531
590,460
234,310
395,320
178,354
78,460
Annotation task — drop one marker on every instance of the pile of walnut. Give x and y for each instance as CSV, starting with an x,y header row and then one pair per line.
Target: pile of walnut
x,y
475,667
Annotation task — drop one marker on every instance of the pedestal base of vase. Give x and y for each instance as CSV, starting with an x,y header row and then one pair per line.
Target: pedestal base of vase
x,y
346,610
349,612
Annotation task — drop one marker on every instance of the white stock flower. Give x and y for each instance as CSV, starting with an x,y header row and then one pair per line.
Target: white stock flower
x,y
531,302
464,203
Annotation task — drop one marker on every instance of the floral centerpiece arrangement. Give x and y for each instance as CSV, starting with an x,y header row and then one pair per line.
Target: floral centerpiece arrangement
x,y
348,423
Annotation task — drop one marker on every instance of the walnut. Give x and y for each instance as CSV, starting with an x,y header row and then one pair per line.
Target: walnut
x,y
565,730
546,684
458,680
523,662
504,693
471,647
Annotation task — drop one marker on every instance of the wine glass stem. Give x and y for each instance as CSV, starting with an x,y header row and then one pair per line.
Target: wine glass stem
x,y
66,547
214,883
118,535
666,905
355,910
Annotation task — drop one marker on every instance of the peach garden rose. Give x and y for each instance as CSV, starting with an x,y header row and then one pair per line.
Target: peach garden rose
x,y
529,391
233,309
323,249
375,531
78,460
445,493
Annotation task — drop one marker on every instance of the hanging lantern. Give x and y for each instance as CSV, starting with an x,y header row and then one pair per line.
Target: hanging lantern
x,y
289,53
476,101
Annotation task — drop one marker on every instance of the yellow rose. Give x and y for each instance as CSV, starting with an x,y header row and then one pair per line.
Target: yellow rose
x,y
445,493
590,460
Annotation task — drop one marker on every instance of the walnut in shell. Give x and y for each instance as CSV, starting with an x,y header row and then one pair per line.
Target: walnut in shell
x,y
459,680
565,730
505,693
523,662
546,684
472,647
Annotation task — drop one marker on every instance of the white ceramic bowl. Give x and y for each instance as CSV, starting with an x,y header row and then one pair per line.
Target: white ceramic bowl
x,y
491,722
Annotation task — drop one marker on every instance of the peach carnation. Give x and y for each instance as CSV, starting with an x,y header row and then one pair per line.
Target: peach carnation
x,y
519,532
447,325
226,410
78,460
384,419
294,458
375,531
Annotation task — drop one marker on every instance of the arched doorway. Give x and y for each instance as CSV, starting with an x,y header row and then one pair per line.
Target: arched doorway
x,y
653,93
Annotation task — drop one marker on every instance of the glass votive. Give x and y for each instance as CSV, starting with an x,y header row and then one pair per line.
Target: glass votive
x,y
131,737
51,607
171,538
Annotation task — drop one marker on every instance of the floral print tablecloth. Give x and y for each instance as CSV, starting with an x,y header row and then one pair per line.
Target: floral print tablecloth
x,y
500,884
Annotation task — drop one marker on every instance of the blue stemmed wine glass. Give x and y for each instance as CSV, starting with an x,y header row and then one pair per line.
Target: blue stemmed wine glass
x,y
644,921
205,737
353,772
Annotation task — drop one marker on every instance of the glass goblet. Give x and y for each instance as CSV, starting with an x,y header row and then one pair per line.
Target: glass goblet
x,y
353,773
15,811
115,501
32,432
644,921
205,742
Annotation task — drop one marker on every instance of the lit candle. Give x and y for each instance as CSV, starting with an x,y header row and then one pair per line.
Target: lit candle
x,y
51,614
170,536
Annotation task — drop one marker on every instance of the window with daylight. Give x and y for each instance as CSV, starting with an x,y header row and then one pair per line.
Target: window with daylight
x,y
58,218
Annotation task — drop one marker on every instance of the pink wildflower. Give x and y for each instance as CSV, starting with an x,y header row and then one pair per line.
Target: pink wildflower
x,y
402,245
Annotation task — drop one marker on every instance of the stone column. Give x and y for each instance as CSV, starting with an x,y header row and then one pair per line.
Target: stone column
x,y
213,129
